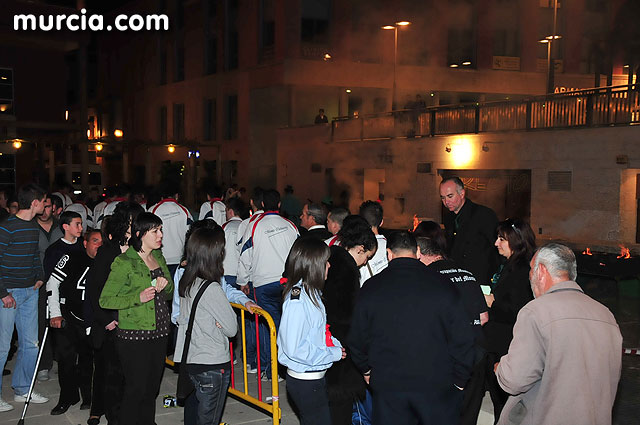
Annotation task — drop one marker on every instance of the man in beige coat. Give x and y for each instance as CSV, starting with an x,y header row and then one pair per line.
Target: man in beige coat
x,y
564,362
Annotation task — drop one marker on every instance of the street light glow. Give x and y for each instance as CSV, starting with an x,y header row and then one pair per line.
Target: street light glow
x,y
99,147
388,27
171,149
453,65
17,144
403,23
118,133
465,63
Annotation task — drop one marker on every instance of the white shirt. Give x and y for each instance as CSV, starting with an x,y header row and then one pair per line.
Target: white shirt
x,y
176,220
377,263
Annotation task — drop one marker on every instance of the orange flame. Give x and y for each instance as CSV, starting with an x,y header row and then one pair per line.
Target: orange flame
x,y
624,252
587,251
416,222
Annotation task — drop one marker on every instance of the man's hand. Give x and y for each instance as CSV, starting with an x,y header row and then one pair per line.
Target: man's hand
x,y
111,326
245,289
147,295
56,322
38,285
366,375
250,305
161,283
495,367
344,353
9,302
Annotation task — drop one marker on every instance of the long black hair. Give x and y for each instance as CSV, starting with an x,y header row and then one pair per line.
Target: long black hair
x,y
116,226
307,262
357,231
205,254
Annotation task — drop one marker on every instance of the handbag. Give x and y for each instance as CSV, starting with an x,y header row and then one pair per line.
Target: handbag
x,y
185,386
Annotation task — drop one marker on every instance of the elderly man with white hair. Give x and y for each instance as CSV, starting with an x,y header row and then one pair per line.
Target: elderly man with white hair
x,y
563,365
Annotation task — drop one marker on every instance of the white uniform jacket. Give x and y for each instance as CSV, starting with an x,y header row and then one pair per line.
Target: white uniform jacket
x,y
214,210
176,220
266,249
377,263
231,255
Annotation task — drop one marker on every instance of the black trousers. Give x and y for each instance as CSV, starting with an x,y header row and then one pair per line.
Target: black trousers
x,y
311,399
473,394
108,381
142,365
46,361
413,408
75,361
498,395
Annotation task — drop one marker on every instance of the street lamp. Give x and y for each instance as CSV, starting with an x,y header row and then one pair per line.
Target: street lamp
x,y
395,55
549,40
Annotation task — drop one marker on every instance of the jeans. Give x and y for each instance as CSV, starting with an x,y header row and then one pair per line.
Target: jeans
x,y
211,392
269,298
310,397
25,318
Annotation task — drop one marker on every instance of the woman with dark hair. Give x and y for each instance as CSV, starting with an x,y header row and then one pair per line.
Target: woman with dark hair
x,y
208,360
433,231
138,287
107,371
357,245
510,292
304,345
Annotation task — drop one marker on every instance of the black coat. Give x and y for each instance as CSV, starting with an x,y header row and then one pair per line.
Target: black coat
x,y
511,293
320,234
471,245
96,316
344,381
411,329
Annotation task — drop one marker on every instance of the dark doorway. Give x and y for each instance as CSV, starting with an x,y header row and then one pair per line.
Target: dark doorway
x,y
507,192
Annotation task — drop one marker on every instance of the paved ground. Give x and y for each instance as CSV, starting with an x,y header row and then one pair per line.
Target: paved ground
x,y
236,412
626,409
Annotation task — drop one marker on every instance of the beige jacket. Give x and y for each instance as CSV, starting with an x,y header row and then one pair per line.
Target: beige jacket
x,y
564,362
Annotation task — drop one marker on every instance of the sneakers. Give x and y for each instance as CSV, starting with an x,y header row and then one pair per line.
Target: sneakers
x,y
267,377
35,398
4,406
251,369
43,375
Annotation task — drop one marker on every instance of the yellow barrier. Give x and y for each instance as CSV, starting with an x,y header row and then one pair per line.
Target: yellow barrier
x,y
274,407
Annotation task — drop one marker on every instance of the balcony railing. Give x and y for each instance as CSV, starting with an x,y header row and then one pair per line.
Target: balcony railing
x,y
619,105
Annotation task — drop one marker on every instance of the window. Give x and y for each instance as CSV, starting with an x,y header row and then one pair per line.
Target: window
x,y
506,42
178,122
209,119
210,54
179,60
267,23
162,61
314,26
231,35
162,120
460,48
231,117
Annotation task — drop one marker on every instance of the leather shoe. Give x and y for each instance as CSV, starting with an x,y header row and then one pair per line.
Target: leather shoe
x,y
93,421
61,408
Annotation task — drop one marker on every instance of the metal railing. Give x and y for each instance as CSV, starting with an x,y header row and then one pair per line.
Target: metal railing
x,y
272,408
604,106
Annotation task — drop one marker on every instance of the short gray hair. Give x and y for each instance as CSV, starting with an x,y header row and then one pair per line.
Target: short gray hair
x,y
558,259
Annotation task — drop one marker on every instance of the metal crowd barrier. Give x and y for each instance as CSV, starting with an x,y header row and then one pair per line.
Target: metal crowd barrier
x,y
273,408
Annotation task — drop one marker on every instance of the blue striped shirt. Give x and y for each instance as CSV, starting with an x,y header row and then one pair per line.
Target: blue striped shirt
x,y
20,265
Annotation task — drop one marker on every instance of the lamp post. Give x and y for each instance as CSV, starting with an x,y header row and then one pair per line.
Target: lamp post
x,y
395,56
549,40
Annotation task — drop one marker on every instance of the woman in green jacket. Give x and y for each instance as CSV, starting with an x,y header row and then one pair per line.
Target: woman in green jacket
x,y
139,286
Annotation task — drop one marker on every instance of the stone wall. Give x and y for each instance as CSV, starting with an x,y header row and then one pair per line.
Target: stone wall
x,y
600,205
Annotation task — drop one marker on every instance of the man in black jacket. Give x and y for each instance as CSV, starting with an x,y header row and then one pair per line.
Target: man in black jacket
x,y
470,229
411,337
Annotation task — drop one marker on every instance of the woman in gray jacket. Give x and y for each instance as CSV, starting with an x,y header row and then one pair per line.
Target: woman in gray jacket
x,y
208,361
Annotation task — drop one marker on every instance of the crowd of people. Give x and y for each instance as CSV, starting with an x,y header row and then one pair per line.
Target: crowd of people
x,y
373,325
